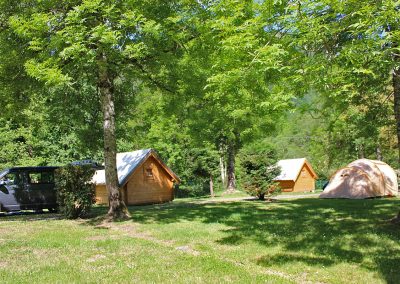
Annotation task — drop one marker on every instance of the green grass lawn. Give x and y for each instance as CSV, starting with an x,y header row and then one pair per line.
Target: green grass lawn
x,y
289,241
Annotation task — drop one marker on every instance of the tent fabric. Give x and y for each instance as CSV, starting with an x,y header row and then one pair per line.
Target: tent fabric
x,y
390,178
362,179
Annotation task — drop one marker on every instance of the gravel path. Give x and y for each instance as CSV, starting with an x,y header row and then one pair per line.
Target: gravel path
x,y
297,196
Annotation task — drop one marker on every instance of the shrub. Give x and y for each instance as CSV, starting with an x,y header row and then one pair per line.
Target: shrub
x,y
75,191
259,169
198,188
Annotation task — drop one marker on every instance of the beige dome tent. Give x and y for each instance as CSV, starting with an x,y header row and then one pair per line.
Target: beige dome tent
x,y
362,179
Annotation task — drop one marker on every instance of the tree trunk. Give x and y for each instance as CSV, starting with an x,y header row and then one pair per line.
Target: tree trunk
x,y
361,152
117,208
223,170
396,95
329,150
211,187
231,184
379,156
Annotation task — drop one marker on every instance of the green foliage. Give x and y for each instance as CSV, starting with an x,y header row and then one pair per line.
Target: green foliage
x,y
240,74
196,187
190,77
349,52
259,168
36,141
75,191
157,127
199,165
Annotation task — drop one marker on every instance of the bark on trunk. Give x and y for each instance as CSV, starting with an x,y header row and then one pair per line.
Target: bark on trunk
x,y
211,186
361,153
223,170
396,95
231,184
379,156
117,208
328,150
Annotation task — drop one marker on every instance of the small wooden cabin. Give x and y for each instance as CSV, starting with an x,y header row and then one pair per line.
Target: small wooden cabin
x,y
143,179
297,175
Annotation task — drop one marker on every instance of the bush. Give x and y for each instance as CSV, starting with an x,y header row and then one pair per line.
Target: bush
x,y
259,169
192,189
75,191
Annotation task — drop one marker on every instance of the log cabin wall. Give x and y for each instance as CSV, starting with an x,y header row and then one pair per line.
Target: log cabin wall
x,y
305,180
286,185
150,183
101,194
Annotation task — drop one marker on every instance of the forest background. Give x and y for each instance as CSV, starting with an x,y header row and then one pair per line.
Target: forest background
x,y
201,82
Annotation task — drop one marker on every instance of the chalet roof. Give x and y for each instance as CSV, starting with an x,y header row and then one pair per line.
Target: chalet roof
x,y
128,162
290,169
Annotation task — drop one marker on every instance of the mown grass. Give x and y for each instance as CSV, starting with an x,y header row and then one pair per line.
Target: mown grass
x,y
288,241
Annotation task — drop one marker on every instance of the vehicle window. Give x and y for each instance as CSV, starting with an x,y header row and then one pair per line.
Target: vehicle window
x,y
12,178
41,177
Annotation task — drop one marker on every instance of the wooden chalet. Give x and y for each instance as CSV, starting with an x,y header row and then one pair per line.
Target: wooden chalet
x,y
143,179
296,175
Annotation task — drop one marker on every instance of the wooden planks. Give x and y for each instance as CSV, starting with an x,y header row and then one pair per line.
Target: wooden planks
x,y
101,194
145,189
305,180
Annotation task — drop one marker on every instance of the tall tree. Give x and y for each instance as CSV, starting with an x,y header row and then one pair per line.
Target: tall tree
x,y
352,53
101,47
239,70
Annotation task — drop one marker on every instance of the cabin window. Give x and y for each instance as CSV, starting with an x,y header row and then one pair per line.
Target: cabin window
x,y
148,172
303,173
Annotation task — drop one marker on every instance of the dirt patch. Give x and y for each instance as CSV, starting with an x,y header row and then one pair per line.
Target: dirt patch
x,y
20,250
131,231
277,273
3,264
45,253
188,250
96,257
297,196
102,238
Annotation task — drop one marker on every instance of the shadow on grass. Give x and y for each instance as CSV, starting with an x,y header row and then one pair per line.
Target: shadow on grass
x,y
312,231
281,259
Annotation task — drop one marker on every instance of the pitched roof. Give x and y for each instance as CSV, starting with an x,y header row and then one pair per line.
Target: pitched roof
x,y
128,162
290,169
